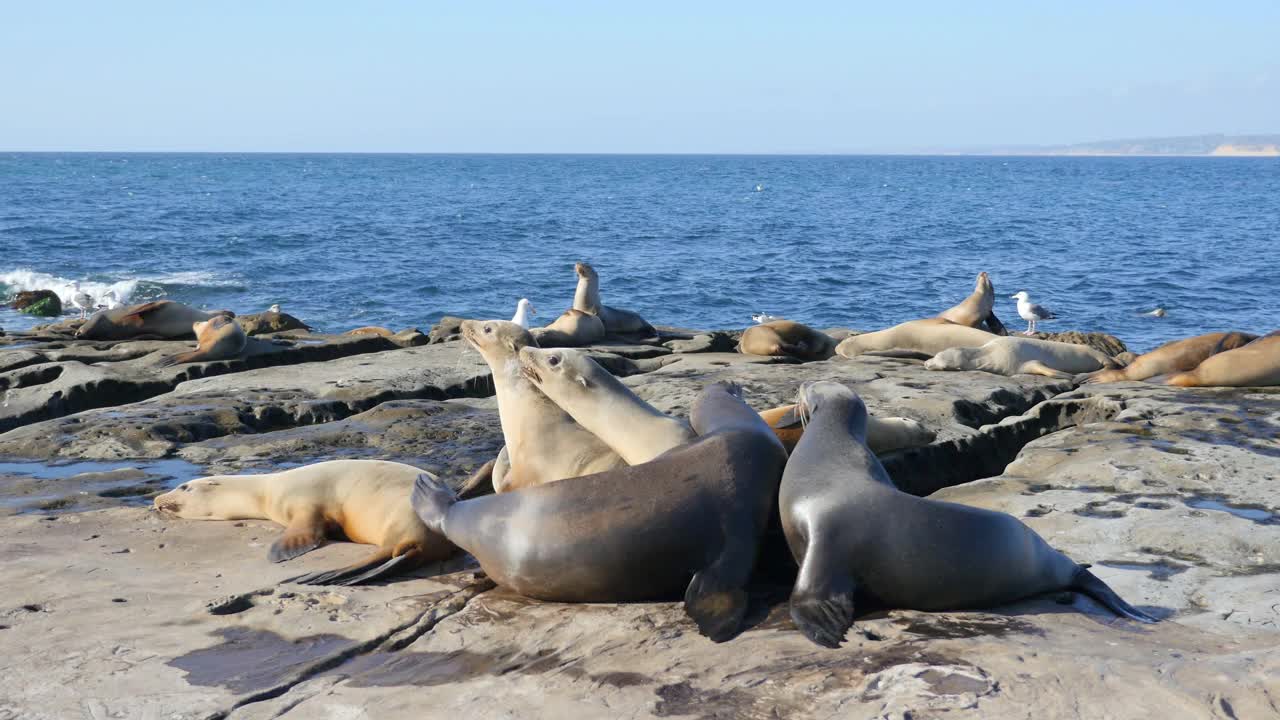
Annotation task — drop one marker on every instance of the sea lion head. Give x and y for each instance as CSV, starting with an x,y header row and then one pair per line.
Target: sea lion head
x,y
827,396
207,499
584,270
558,371
97,325
496,339
956,358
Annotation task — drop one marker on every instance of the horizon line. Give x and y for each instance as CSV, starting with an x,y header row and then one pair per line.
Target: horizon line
x,y
460,153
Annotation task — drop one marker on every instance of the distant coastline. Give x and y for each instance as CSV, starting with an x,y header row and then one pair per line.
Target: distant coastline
x,y
1213,145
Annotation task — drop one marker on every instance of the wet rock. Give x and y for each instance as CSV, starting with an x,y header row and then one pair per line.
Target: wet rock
x,y
270,322
718,341
1109,344
410,337
45,303
447,330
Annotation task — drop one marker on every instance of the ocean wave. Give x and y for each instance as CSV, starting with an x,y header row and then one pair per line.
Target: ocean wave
x,y
15,281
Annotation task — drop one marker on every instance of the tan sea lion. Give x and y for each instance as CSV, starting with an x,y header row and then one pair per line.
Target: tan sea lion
x,y
977,310
604,406
1019,355
929,336
1172,357
786,339
218,338
574,328
366,501
371,330
858,538
587,299
1254,365
162,318
543,443
884,435
691,520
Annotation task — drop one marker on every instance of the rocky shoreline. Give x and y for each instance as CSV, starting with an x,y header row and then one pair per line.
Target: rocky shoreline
x,y
116,611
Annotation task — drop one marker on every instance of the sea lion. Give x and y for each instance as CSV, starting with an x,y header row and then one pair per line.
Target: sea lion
x,y
574,328
162,318
636,430
543,443
218,338
787,339
1254,365
587,299
884,435
371,330
978,309
367,500
854,533
690,519
1015,355
929,336
1172,357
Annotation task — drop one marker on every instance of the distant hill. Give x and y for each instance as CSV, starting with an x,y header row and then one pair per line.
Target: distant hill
x,y
1203,145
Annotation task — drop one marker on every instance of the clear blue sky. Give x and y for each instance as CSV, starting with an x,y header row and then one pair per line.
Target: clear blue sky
x,y
649,76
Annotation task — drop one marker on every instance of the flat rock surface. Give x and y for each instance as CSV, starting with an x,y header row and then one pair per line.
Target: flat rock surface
x,y
112,610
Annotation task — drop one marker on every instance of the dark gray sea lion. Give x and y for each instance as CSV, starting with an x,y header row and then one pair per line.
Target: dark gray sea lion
x,y
853,533
691,519
162,318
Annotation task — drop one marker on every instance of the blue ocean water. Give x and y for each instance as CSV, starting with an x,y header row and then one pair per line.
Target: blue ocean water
x,y
343,241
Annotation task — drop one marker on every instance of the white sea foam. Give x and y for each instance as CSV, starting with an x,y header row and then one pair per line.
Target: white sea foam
x,y
15,281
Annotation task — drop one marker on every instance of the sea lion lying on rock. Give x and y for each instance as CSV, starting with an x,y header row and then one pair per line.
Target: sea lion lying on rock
x,y
164,319
1017,355
574,328
926,337
783,338
1256,364
218,338
1177,356
366,501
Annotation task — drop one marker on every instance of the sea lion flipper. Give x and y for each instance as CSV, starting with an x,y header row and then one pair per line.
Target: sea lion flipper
x,y
142,311
298,539
431,501
716,605
1089,584
1035,367
900,353
486,473
824,617
378,565
790,419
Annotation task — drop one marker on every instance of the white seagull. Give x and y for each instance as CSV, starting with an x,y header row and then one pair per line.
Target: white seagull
x,y
274,308
762,318
1031,312
81,300
523,311
109,301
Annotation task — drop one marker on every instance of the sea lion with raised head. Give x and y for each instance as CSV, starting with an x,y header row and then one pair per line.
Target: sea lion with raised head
x,y
599,402
218,338
691,519
543,442
929,337
587,299
1256,364
1020,355
978,309
163,319
365,501
783,338
574,328
1173,357
884,435
858,538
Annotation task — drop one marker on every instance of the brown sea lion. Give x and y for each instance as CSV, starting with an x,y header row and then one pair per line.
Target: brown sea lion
x,y
365,501
884,435
574,328
1172,357
370,330
162,319
587,299
218,338
977,310
784,338
1254,365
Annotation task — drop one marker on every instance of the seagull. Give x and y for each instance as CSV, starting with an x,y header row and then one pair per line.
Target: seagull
x,y
1031,312
523,311
81,300
109,301
274,308
1158,312
763,317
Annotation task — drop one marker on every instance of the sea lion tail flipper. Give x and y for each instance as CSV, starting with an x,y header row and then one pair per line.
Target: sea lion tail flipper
x,y
715,604
822,600
431,501
478,478
376,564
994,325
178,359
1089,584
900,353
301,537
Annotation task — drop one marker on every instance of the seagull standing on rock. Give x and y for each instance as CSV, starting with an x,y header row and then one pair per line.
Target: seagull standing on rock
x,y
762,318
81,300
1031,312
523,310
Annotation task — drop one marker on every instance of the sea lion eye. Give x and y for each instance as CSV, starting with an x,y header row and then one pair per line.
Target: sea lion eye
x,y
185,488
554,360
488,329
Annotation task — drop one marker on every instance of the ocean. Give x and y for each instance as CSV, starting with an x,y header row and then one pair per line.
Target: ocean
x,y
343,241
